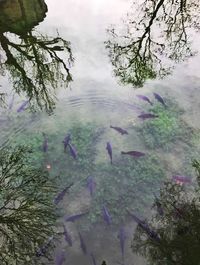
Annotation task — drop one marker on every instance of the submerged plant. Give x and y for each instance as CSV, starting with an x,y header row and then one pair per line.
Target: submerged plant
x,y
27,213
128,181
166,129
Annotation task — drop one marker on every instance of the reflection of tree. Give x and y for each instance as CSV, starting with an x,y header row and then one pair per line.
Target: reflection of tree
x,y
148,46
37,64
27,214
178,228
36,67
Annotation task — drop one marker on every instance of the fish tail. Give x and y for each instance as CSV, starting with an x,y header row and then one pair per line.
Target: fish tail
x,y
123,153
111,162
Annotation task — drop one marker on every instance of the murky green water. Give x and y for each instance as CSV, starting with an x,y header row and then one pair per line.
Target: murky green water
x,y
86,109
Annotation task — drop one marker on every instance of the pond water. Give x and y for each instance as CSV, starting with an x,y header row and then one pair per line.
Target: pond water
x,y
91,103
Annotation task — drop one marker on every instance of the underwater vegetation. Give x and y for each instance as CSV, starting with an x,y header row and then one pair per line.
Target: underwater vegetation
x,y
27,213
177,228
128,182
166,129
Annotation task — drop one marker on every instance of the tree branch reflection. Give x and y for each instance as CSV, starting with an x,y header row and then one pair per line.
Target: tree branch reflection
x,y
178,228
149,45
37,65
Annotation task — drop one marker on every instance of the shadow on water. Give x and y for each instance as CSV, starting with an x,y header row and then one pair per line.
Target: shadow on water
x,y
175,223
37,64
150,45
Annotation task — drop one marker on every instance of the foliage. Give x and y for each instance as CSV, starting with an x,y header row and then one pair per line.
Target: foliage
x,y
147,47
178,229
27,213
166,129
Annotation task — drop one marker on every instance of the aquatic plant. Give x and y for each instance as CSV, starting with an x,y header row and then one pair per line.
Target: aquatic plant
x,y
165,130
127,182
177,229
84,138
27,213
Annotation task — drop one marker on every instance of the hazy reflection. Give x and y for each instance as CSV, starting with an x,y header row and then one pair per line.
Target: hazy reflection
x,y
153,38
37,63
178,228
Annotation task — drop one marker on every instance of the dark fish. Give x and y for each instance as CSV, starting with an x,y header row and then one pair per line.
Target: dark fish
x,y
145,116
122,238
23,105
133,153
182,179
160,99
106,215
158,206
93,259
42,250
152,234
60,258
66,141
73,151
119,130
144,98
91,185
82,244
75,217
67,236
61,194
45,143
109,150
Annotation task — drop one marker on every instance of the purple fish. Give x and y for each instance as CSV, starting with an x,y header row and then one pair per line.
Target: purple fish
x,y
91,185
144,98
60,258
45,143
106,215
152,234
66,141
82,244
73,151
182,179
67,236
75,217
145,116
160,99
109,150
133,153
122,238
61,194
119,130
23,105
42,250
93,259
